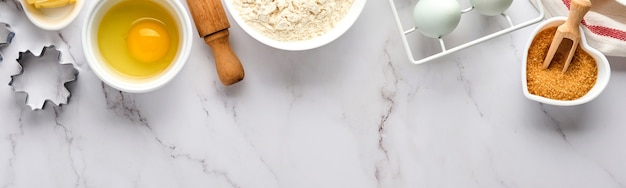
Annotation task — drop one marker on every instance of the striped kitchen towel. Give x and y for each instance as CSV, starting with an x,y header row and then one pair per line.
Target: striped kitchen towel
x,y
605,23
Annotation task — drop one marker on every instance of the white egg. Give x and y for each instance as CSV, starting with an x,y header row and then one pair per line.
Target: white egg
x,y
491,7
436,18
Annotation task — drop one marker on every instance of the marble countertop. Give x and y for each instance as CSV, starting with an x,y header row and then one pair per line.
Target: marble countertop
x,y
354,113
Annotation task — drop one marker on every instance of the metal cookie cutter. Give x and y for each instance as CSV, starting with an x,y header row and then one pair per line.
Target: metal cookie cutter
x,y
6,36
43,78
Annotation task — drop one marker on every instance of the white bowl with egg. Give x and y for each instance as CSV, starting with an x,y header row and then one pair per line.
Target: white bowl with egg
x,y
52,18
113,78
340,27
603,77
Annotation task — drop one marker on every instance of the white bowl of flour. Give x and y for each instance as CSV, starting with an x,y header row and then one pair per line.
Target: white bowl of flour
x,y
295,25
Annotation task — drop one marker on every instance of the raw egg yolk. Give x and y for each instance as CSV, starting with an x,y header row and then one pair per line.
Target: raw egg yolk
x,y
148,41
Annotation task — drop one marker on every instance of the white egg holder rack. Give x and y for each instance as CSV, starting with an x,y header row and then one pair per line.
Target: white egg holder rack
x,y
444,51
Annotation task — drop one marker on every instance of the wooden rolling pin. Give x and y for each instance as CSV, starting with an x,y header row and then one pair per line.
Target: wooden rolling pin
x,y
213,25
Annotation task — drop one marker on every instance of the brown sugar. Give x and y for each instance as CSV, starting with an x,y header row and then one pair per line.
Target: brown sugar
x,y
552,82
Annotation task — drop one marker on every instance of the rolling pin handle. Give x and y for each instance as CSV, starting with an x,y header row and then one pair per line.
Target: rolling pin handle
x,y
229,68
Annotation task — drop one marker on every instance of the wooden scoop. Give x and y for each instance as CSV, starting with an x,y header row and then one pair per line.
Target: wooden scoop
x,y
569,30
213,25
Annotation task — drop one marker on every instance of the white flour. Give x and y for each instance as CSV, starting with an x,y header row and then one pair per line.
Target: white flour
x,y
292,20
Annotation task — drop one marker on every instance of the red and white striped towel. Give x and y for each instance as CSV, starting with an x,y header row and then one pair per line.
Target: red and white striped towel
x,y
605,23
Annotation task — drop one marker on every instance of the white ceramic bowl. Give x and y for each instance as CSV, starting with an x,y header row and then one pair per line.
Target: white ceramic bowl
x,y
52,18
341,27
98,64
604,69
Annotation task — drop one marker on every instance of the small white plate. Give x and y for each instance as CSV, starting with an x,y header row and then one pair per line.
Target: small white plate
x,y
52,18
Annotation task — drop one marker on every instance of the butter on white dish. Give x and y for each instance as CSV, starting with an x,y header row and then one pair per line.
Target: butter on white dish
x,y
52,18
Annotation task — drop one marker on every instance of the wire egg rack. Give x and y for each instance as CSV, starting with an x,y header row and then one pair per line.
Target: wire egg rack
x,y
445,51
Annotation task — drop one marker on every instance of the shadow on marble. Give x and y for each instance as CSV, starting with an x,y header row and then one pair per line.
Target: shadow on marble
x,y
617,63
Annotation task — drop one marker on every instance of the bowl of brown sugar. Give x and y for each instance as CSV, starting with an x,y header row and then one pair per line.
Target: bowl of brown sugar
x,y
586,77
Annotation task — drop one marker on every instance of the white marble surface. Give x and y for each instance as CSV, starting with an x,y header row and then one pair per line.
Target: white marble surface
x,y
353,113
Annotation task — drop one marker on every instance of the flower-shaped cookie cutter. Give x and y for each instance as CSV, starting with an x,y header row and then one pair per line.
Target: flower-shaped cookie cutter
x,y
43,78
6,36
